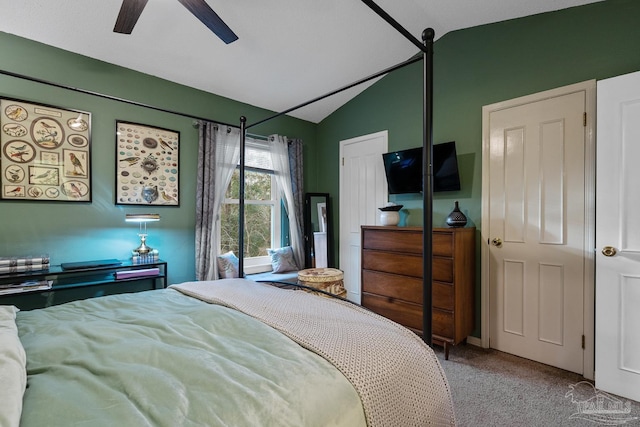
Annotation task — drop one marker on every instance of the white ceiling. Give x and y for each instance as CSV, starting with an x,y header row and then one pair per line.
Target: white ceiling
x,y
288,52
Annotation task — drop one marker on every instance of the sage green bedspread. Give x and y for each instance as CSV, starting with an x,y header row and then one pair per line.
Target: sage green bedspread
x,y
160,358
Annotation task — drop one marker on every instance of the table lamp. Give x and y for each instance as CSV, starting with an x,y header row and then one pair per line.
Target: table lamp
x,y
142,220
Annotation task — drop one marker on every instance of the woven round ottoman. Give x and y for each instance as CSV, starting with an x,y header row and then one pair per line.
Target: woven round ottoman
x,y
325,279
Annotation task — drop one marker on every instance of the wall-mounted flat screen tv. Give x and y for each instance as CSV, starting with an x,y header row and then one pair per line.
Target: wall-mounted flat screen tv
x,y
404,169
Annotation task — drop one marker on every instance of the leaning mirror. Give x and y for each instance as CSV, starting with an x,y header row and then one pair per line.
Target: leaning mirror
x,y
318,231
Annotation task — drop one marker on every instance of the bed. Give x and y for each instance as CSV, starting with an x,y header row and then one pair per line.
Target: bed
x,y
231,352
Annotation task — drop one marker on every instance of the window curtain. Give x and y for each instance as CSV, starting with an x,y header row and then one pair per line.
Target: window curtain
x,y
281,156
218,156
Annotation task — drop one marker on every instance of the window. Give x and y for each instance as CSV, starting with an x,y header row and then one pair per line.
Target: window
x,y
262,224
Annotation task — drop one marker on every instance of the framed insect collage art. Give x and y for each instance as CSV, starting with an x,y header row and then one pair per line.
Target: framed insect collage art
x,y
147,165
45,152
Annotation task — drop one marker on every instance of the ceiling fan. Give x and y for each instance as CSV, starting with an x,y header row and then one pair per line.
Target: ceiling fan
x,y
131,9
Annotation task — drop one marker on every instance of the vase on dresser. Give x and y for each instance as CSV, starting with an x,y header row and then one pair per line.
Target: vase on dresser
x,y
456,218
390,215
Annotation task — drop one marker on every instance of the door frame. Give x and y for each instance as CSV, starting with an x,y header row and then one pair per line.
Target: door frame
x,y
589,87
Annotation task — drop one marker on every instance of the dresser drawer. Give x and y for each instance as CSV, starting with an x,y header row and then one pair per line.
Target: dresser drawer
x,y
390,262
392,240
405,313
442,323
442,243
443,296
392,285
408,265
442,269
406,288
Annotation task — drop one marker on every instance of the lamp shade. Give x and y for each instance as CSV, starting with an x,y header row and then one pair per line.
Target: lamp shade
x,y
142,217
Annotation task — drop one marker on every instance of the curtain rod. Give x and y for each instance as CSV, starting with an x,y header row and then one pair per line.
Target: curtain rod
x,y
196,124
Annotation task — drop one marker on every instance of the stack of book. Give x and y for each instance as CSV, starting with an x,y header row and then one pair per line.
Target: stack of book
x,y
28,286
151,257
24,263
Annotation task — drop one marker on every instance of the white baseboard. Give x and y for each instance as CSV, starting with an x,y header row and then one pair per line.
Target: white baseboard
x,y
474,341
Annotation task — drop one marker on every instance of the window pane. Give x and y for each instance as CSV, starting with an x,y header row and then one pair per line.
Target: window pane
x,y
258,217
257,229
229,228
257,186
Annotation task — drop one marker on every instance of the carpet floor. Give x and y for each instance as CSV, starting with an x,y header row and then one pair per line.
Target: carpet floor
x,y
492,388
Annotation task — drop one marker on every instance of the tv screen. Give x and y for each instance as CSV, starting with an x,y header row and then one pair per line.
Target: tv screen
x,y
445,167
404,169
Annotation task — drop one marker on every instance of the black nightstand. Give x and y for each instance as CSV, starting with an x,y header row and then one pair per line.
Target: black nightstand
x,y
83,283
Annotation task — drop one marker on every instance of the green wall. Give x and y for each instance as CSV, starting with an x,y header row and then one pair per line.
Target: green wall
x,y
86,231
476,67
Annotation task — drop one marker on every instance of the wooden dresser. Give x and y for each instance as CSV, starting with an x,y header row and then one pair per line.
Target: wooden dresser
x,y
392,279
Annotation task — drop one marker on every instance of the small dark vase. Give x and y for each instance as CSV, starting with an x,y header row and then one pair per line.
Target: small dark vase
x,y
456,218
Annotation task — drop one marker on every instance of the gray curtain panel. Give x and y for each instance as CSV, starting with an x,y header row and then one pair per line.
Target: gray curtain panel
x,y
205,221
297,184
218,155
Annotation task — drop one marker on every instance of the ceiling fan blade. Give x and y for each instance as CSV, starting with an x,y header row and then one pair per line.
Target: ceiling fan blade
x,y
129,13
204,13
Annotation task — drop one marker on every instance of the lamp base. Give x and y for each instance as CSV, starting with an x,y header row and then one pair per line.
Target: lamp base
x,y
143,249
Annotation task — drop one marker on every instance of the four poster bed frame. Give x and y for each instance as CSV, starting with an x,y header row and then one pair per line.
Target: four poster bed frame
x,y
226,352
426,48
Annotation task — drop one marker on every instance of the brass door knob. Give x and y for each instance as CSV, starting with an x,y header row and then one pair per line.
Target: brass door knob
x,y
497,242
609,251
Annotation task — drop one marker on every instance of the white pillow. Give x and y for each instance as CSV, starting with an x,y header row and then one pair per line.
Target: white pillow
x,y
13,368
282,259
228,265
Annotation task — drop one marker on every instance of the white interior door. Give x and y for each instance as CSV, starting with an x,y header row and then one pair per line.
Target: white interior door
x,y
618,237
363,189
535,227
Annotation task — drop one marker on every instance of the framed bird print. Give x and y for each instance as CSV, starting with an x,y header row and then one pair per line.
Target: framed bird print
x,y
147,165
45,152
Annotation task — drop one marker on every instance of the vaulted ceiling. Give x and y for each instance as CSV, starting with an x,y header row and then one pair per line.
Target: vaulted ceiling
x,y
287,52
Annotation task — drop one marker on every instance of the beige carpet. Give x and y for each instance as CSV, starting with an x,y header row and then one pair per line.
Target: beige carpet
x,y
491,388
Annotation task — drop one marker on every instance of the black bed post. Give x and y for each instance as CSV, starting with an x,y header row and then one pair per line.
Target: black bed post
x,y
426,47
243,132
427,189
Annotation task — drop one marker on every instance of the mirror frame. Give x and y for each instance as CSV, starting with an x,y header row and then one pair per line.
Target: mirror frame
x,y
308,229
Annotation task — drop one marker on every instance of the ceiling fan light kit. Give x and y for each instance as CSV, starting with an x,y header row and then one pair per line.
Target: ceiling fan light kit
x,y
131,10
